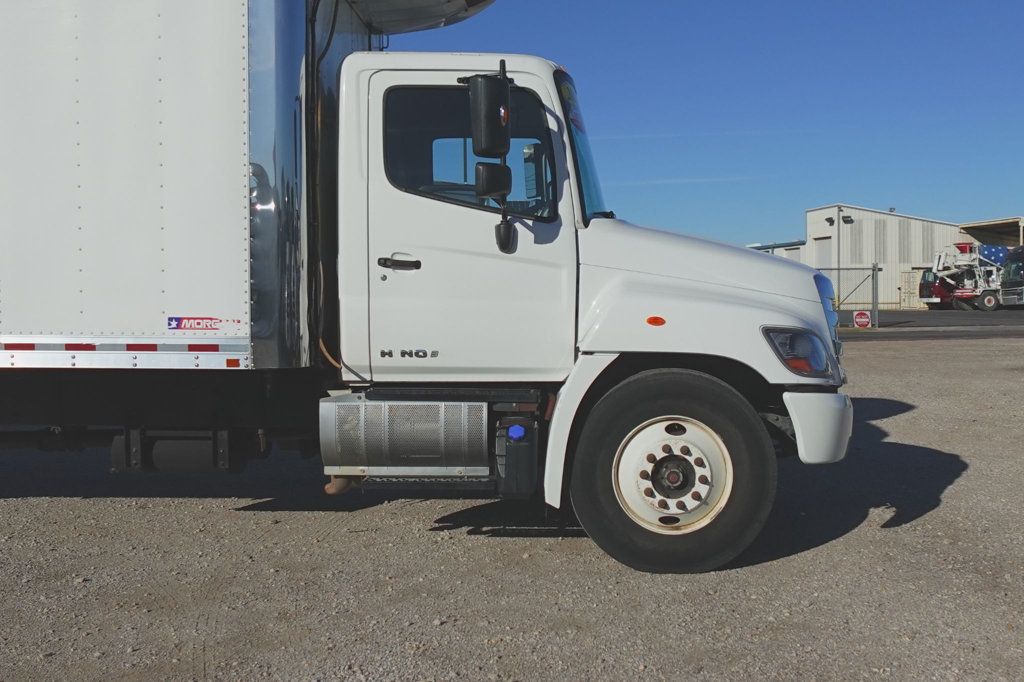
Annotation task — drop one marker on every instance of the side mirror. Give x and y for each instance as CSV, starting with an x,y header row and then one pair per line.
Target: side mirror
x,y
489,99
493,181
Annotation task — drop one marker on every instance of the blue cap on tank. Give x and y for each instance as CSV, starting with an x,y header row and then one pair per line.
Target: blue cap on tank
x,y
516,432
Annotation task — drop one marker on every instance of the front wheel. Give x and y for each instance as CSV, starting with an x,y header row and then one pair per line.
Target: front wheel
x,y
674,472
988,301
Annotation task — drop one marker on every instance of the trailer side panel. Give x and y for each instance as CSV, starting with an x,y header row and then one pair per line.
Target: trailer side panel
x,y
125,183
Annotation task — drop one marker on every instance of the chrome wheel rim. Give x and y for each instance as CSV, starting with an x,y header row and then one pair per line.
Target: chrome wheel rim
x,y
672,475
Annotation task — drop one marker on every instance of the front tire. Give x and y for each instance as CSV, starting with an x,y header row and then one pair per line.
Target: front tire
x,y
988,301
674,472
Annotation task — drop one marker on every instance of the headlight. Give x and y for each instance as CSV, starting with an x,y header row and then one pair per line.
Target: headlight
x,y
801,351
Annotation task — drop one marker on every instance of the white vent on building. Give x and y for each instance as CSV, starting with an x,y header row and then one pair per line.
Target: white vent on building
x,y
881,236
927,242
857,243
904,235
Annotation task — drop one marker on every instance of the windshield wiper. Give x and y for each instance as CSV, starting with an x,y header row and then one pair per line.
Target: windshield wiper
x,y
604,214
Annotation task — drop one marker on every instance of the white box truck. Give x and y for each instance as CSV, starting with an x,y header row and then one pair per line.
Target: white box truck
x,y
232,223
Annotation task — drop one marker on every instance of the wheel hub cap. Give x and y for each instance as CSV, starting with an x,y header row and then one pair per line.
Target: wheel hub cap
x,y
672,475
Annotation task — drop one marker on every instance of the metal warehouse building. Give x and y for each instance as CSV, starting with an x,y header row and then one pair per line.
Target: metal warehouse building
x,y
844,241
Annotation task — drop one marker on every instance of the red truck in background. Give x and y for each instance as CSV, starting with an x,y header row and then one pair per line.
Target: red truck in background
x,y
964,278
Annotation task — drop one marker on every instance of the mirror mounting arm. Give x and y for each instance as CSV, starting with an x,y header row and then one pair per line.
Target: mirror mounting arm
x,y
505,231
464,80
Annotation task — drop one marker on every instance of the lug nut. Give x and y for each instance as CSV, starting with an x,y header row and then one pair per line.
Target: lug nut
x,y
667,449
662,504
704,479
699,462
696,496
680,505
649,492
644,475
651,458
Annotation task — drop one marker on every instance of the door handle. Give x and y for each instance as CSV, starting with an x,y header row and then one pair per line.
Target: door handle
x,y
396,264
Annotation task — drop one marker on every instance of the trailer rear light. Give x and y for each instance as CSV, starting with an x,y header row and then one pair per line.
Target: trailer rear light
x,y
141,347
79,346
19,346
233,363
203,348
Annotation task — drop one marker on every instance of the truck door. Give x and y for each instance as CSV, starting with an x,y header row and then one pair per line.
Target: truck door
x,y
445,304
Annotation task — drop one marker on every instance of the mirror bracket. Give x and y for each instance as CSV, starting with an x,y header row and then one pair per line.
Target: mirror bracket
x,y
464,80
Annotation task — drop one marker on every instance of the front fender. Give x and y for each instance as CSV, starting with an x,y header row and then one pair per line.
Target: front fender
x,y
586,370
698,318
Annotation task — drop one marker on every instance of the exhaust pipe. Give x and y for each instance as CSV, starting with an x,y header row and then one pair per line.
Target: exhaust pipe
x,y
339,485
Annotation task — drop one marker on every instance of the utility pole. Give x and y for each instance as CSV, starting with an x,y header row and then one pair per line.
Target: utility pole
x,y
839,254
840,221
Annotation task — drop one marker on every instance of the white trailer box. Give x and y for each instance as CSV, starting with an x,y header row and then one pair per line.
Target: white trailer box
x,y
127,143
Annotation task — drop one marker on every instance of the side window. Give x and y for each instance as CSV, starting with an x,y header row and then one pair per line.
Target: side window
x,y
428,149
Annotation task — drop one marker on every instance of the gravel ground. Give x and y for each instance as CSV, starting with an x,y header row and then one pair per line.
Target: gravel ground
x,y
904,561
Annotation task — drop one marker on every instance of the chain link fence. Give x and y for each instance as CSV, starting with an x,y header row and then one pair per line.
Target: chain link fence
x,y
856,288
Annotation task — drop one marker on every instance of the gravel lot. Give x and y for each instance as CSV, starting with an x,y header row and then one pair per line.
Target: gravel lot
x,y
904,561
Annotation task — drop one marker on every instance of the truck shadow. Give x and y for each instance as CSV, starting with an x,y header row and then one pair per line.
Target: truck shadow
x,y
818,504
815,504
513,519
283,482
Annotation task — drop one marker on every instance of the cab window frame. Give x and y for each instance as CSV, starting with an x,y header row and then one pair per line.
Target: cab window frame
x,y
549,141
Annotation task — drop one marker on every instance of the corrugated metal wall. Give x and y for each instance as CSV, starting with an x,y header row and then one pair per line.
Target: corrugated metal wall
x,y
898,243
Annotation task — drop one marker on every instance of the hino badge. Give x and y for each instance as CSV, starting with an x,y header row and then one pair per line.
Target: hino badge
x,y
225,227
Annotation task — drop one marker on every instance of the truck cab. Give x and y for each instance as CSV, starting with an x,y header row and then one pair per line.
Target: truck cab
x,y
643,373
1011,284
934,291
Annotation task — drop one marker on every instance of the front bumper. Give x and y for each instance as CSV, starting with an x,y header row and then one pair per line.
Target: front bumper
x,y
822,422
1012,296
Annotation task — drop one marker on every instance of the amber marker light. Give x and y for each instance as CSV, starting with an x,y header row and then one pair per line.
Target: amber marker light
x,y
656,321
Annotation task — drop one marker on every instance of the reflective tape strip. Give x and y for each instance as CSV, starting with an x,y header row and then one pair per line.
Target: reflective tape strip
x,y
129,347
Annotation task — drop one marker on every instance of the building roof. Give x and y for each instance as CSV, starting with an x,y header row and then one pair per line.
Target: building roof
x,y
881,212
1000,231
777,245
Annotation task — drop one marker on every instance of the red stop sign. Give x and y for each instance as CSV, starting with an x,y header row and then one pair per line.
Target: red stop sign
x,y
862,319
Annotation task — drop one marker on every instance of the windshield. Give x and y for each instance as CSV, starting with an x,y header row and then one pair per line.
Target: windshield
x,y
592,199
1013,270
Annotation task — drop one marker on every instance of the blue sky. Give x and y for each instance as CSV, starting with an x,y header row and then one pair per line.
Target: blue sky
x,y
729,119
